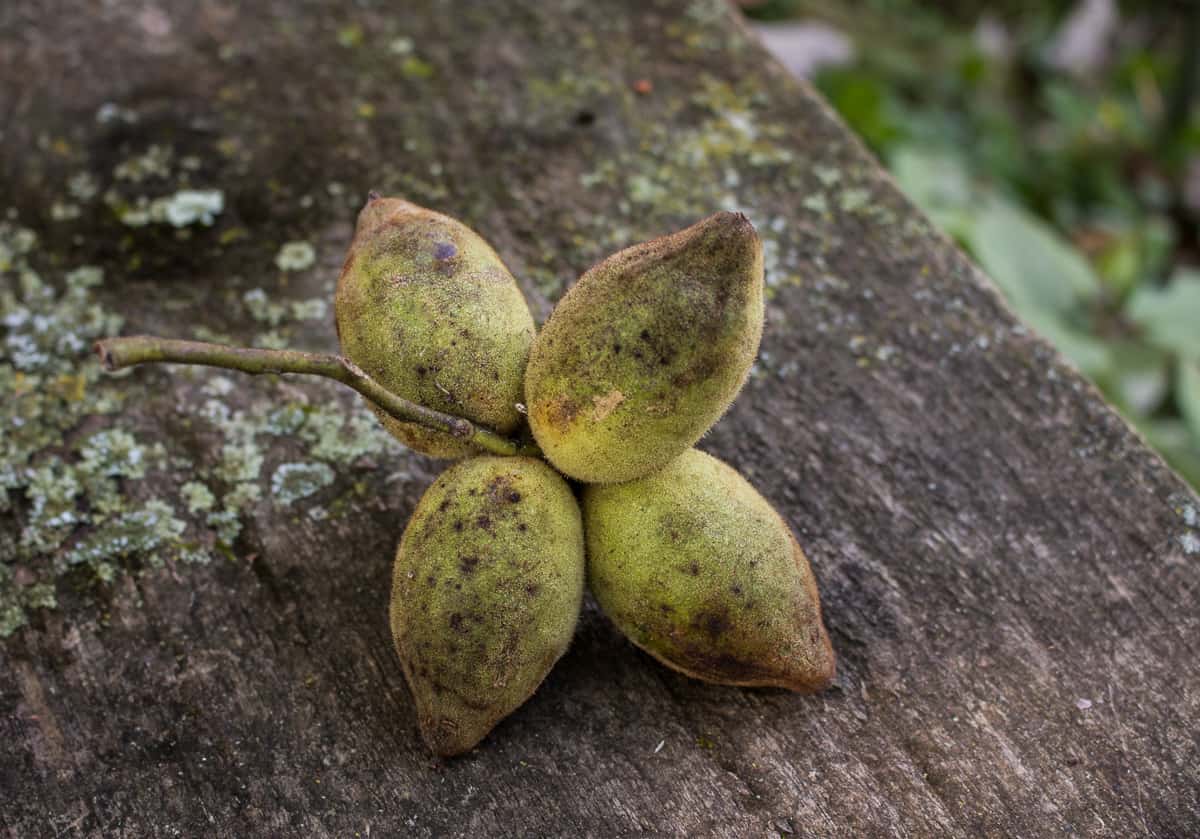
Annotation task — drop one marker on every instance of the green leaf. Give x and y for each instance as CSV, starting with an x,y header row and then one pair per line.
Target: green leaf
x,y
1137,250
863,101
1170,316
932,178
1035,268
1093,357
1187,394
1158,244
937,182
1173,440
1139,378
1044,279
1120,264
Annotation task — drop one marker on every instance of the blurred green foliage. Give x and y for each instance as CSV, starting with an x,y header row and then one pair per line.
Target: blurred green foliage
x,y
1068,190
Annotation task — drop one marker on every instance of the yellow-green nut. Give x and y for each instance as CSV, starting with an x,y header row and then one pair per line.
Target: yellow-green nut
x,y
486,592
694,566
647,350
426,308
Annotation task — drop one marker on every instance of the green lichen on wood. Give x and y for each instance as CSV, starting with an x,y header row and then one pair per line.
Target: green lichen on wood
x,y
723,150
720,152
88,498
62,490
293,481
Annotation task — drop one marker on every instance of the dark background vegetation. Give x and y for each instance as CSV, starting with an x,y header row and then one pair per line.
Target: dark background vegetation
x,y
1059,143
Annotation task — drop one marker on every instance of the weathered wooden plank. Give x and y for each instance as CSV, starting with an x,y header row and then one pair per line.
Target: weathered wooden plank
x,y
1010,577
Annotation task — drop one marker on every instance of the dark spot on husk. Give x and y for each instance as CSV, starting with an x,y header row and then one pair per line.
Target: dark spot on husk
x,y
445,250
467,564
500,491
722,297
701,659
456,622
483,522
698,370
522,526
560,412
458,526
712,624
532,589
694,569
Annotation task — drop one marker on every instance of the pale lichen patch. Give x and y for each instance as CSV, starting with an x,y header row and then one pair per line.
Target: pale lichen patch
x,y
77,503
75,512
854,199
197,496
143,533
294,481
263,309
112,453
272,340
312,309
1186,508
1190,543
241,460
295,256
180,209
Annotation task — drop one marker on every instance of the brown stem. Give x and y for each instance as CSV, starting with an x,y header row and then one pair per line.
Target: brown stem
x,y
116,353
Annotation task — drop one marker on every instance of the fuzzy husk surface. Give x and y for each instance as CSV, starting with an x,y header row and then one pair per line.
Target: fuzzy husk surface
x,y
694,566
426,307
647,350
486,592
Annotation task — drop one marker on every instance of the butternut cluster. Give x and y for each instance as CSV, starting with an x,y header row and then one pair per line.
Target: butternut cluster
x,y
576,460
637,361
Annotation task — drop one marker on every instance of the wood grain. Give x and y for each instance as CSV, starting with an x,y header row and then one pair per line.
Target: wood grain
x,y
993,544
